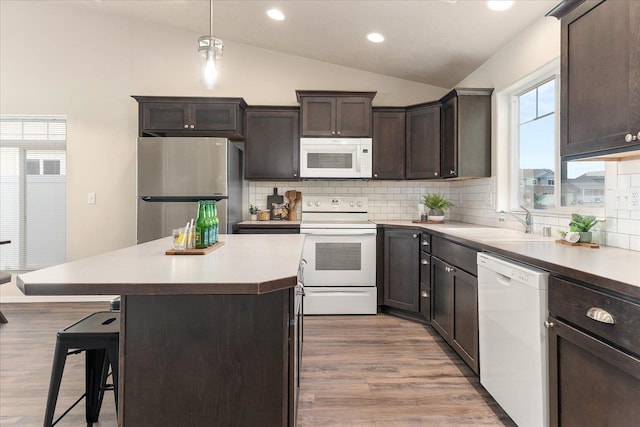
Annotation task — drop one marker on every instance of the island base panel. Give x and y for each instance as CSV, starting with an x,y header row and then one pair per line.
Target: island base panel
x,y
196,360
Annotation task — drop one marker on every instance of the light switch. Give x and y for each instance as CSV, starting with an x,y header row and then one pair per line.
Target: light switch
x,y
91,198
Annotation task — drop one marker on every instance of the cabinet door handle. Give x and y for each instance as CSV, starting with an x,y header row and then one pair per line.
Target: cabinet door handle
x,y
425,243
549,325
192,126
424,294
450,269
452,172
629,138
375,175
424,262
638,135
600,315
295,175
338,132
415,236
333,133
435,174
186,126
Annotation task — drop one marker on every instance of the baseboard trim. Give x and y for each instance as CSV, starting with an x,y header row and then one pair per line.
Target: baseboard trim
x,y
56,298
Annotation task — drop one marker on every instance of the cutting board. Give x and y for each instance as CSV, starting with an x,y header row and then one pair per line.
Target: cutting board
x,y
274,198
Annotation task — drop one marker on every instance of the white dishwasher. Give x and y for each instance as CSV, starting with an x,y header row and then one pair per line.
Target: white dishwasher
x,y
512,308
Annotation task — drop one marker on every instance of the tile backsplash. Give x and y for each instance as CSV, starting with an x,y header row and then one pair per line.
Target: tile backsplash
x,y
474,201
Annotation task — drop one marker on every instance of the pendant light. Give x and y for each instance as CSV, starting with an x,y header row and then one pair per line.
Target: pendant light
x,y
210,48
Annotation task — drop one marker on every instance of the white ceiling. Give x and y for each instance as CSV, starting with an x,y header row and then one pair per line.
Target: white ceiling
x,y
436,42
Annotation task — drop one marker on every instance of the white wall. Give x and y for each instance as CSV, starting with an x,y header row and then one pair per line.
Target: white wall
x,y
57,59
533,49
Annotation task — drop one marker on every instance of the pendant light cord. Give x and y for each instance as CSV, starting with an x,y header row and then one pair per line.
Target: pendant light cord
x,y
211,20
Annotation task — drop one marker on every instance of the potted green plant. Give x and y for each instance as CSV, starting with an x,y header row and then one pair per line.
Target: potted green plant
x,y
437,204
253,210
583,225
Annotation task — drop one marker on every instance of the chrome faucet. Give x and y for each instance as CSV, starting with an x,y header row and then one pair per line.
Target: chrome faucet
x,y
527,221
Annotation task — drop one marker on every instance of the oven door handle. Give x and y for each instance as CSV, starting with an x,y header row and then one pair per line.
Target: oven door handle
x,y
340,232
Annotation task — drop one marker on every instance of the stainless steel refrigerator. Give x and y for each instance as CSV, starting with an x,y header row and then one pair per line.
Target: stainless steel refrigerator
x,y
174,173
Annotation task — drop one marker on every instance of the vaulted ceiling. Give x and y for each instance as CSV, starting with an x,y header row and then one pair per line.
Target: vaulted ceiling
x,y
436,42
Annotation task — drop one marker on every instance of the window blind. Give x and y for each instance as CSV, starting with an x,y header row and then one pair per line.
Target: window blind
x,y
32,191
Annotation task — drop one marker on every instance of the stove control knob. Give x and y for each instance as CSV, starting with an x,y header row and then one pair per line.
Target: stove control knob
x,y
309,203
352,203
317,202
360,203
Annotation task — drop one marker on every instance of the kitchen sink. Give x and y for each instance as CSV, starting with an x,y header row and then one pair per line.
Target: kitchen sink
x,y
497,234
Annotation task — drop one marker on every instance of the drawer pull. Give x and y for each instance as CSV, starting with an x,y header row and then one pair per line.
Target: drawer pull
x,y
600,315
424,294
424,262
425,243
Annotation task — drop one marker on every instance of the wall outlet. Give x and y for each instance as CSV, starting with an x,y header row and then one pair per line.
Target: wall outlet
x,y
91,198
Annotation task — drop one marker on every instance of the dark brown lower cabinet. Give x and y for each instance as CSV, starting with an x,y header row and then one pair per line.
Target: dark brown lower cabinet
x,y
591,383
401,269
594,356
209,360
454,295
442,297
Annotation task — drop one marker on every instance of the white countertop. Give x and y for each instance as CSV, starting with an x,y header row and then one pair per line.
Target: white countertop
x,y
245,264
613,268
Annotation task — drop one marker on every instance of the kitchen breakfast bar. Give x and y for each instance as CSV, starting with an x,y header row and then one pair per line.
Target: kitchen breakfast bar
x,y
204,340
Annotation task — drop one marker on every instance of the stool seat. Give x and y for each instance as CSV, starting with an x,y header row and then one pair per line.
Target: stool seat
x,y
98,336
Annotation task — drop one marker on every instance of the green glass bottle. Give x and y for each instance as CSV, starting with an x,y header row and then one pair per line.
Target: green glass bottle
x,y
216,223
201,234
210,223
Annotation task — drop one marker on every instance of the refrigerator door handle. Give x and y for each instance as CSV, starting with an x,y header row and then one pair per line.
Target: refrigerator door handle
x,y
182,198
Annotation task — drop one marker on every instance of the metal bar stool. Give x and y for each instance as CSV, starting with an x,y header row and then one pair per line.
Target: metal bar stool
x,y
97,336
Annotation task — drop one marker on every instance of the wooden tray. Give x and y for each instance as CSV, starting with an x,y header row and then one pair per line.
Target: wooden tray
x,y
195,251
415,221
583,244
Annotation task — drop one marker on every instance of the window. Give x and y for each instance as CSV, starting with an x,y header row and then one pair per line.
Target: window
x,y
33,188
536,162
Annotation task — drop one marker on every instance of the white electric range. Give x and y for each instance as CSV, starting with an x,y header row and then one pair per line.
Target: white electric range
x,y
340,250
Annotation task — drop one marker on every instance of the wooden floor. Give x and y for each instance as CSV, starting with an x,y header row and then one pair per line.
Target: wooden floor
x,y
357,371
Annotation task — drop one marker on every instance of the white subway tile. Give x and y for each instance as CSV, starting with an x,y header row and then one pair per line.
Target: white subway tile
x,y
618,240
626,167
629,226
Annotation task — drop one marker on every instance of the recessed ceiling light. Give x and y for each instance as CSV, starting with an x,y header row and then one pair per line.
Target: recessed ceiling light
x,y
275,14
499,4
375,37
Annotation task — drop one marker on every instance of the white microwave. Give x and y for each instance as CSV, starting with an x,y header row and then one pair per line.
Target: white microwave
x,y
335,158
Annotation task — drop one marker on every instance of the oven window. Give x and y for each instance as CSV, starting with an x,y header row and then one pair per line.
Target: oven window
x,y
338,256
330,160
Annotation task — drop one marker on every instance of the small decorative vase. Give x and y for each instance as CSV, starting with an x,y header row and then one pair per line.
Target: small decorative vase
x,y
585,236
254,217
436,215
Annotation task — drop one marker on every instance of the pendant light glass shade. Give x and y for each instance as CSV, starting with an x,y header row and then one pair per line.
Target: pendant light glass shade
x,y
210,49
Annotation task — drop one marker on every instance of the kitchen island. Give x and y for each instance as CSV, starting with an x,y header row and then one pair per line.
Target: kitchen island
x,y
204,340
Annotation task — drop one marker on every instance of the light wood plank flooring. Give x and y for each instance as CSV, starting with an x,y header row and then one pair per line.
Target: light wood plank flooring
x,y
357,371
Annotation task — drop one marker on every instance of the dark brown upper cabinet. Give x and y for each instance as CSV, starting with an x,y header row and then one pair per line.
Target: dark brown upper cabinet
x,y
600,90
335,114
466,133
272,143
191,116
388,143
422,155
